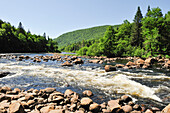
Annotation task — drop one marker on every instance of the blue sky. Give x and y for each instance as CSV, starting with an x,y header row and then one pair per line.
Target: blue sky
x,y
55,17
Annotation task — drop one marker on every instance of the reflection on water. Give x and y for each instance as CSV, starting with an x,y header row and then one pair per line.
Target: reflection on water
x,y
146,86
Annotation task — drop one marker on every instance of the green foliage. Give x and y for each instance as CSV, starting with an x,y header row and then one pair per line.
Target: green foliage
x,y
82,51
18,40
107,44
80,35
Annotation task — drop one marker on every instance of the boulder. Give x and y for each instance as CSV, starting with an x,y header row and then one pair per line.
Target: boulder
x,y
109,68
49,90
78,61
126,98
87,93
166,109
86,101
66,64
137,107
150,60
68,93
127,108
114,105
94,61
73,57
94,108
46,109
130,64
119,65
16,107
140,62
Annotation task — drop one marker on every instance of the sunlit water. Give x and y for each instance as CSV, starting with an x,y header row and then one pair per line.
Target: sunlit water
x,y
150,87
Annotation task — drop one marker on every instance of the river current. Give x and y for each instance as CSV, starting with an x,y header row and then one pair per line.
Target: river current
x,y
146,86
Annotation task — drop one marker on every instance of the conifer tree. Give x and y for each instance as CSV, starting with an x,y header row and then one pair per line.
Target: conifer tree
x,y
136,30
148,10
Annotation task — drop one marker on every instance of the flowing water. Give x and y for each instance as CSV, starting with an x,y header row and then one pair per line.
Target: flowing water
x,y
150,87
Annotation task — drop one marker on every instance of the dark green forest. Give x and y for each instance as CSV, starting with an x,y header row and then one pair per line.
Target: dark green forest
x,y
80,35
147,35
18,40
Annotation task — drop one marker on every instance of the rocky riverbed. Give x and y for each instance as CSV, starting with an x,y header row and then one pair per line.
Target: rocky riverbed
x,y
49,100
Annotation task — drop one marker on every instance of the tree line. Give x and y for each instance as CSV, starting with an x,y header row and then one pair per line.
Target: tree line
x,y
18,40
79,35
145,36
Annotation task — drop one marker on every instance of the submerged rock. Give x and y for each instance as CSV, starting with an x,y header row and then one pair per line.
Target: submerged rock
x,y
66,64
110,68
3,74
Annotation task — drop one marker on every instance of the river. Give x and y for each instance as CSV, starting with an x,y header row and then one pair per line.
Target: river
x,y
146,86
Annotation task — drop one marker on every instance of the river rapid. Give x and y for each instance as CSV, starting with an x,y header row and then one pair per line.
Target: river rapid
x,y
146,86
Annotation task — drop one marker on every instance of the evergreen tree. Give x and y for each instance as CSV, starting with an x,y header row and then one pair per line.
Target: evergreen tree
x,y
148,10
20,28
108,42
137,38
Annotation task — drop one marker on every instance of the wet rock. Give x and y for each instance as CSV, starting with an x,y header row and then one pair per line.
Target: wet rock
x,y
94,108
140,62
3,74
16,107
150,60
166,109
130,64
87,93
94,61
126,98
49,90
110,68
66,64
36,60
86,101
119,65
127,108
114,105
78,61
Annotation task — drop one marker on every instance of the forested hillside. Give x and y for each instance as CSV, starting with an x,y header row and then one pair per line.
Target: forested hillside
x,y
18,40
147,35
80,35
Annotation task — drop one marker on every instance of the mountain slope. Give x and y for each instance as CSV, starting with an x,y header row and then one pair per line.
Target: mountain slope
x,y
79,35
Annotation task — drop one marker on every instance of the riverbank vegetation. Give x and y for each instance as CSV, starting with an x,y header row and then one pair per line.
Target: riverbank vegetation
x,y
18,40
146,36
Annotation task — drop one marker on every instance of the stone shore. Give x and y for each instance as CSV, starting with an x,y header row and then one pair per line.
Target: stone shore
x,y
51,101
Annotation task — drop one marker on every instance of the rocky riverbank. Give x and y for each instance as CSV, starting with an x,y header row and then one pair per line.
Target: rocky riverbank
x,y
51,101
